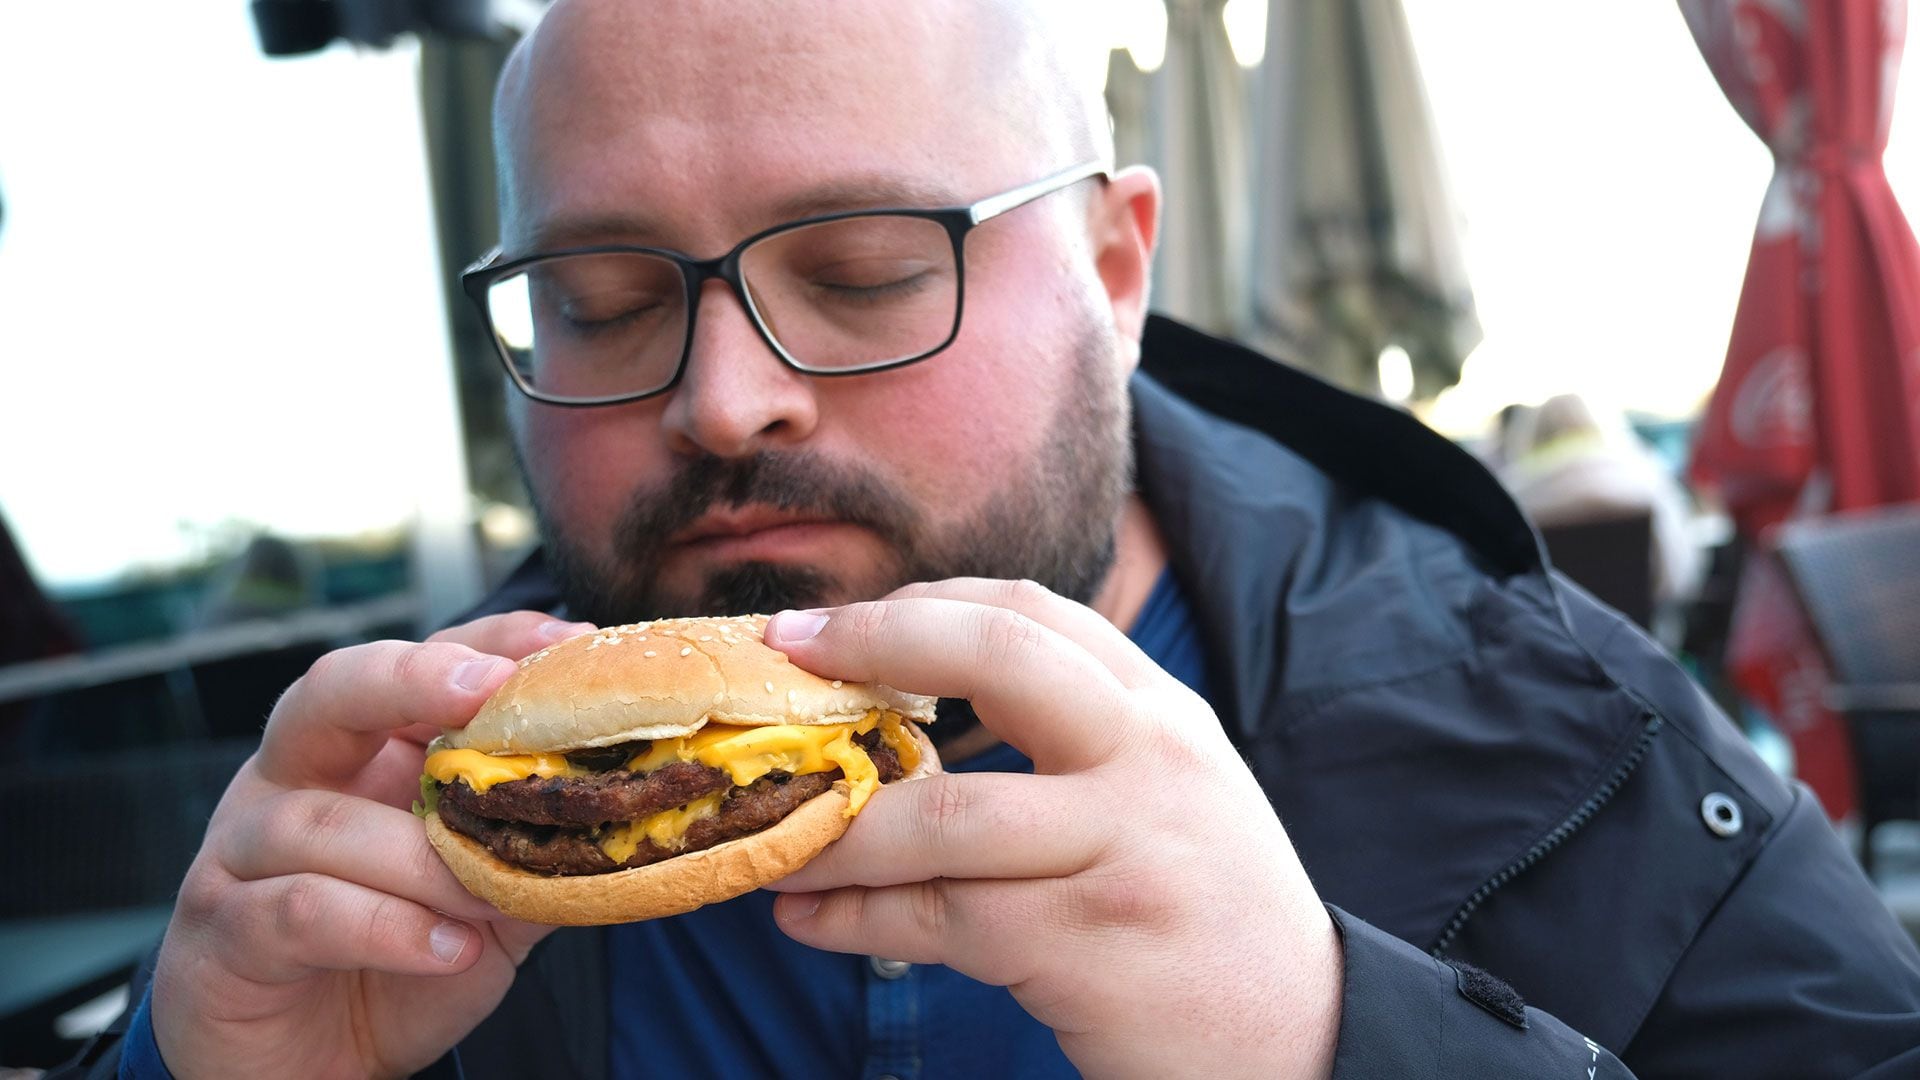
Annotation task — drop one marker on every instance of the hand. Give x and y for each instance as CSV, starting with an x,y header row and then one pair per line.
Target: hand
x,y
1137,894
317,932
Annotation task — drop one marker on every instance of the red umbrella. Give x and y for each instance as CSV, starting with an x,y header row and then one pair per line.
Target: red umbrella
x,y
1818,407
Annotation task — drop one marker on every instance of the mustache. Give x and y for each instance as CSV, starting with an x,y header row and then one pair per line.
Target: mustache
x,y
795,481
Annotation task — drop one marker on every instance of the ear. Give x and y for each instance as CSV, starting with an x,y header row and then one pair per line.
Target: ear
x,y
1126,222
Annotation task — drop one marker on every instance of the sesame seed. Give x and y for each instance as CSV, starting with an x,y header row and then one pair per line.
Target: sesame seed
x,y
688,651
650,652
719,696
706,637
769,686
837,684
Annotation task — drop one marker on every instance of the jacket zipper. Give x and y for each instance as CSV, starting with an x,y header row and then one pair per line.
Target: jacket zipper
x,y
1572,824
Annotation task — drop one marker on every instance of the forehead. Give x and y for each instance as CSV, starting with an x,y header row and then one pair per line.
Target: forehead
x,y
695,123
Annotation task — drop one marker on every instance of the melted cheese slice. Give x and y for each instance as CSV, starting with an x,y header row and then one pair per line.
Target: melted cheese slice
x,y
667,829
482,771
749,753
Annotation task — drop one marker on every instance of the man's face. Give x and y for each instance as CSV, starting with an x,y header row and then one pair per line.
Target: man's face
x,y
751,486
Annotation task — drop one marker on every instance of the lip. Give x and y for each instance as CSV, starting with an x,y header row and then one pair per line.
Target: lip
x,y
741,522
757,533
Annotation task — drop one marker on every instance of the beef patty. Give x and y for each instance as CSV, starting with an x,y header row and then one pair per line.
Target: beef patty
x,y
613,795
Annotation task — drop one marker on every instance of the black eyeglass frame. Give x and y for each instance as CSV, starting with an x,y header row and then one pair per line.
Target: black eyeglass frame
x,y
958,221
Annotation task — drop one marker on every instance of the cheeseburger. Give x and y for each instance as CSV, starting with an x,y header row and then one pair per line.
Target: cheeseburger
x,y
645,770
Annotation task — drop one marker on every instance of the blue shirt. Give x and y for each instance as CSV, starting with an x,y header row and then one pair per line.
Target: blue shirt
x,y
722,992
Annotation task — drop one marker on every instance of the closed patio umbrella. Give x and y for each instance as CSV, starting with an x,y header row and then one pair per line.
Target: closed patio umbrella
x,y
1355,235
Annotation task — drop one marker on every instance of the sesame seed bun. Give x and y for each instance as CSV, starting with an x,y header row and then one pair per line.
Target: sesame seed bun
x,y
669,887
663,680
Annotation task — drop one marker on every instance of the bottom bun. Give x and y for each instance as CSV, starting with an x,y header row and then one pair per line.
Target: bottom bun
x,y
669,887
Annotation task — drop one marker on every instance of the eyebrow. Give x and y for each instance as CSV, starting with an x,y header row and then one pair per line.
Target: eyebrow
x,y
855,193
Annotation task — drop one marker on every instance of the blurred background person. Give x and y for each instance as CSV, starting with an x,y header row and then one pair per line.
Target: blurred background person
x,y
1566,465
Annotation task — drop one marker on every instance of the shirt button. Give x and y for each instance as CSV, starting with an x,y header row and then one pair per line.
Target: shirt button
x,y
888,969
1721,814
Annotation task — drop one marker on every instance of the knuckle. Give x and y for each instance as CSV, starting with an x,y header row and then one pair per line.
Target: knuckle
x,y
1027,593
317,819
299,910
417,663
863,623
945,807
914,590
1179,749
1006,638
1137,899
521,626
325,669
200,896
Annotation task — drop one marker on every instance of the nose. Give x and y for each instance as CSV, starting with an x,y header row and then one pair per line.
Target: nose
x,y
736,397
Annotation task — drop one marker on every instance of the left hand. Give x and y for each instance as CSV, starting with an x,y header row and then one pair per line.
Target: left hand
x,y
1137,894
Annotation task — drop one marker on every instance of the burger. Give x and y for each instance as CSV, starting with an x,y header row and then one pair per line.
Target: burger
x,y
646,770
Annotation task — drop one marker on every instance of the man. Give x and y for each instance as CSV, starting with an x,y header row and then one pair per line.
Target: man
x,y
1526,844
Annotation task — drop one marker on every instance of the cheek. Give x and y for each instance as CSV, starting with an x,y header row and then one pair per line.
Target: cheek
x,y
958,426
585,465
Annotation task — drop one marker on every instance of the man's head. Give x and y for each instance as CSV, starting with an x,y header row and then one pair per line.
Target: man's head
x,y
750,485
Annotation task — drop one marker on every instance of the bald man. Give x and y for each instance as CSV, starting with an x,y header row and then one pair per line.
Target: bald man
x,y
1291,759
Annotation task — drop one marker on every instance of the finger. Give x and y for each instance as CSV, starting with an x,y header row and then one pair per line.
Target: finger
x,y
513,634
1029,685
318,832
985,930
333,720
1076,622
288,927
392,778
961,825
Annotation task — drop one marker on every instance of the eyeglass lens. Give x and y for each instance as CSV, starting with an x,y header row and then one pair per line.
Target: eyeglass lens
x,y
840,295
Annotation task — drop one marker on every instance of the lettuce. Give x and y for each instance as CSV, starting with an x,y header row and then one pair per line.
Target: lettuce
x,y
429,797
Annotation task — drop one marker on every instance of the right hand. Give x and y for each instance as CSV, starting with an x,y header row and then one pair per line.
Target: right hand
x,y
317,932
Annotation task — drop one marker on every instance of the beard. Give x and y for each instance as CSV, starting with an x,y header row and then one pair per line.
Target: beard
x,y
1053,521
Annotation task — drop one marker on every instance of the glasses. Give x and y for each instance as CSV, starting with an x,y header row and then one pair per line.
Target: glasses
x,y
838,294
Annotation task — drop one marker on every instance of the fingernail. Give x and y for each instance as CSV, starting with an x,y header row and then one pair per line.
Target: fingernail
x,y
560,629
448,941
789,627
475,674
796,906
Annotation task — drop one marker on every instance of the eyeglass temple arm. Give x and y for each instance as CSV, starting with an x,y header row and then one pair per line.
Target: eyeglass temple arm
x,y
994,206
492,256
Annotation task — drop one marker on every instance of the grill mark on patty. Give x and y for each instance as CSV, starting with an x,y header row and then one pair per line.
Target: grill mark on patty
x,y
559,851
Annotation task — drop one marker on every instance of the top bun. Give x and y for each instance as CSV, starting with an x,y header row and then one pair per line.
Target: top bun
x,y
663,680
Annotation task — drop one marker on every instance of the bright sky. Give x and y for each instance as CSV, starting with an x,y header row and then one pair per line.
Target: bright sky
x,y
218,295
218,287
